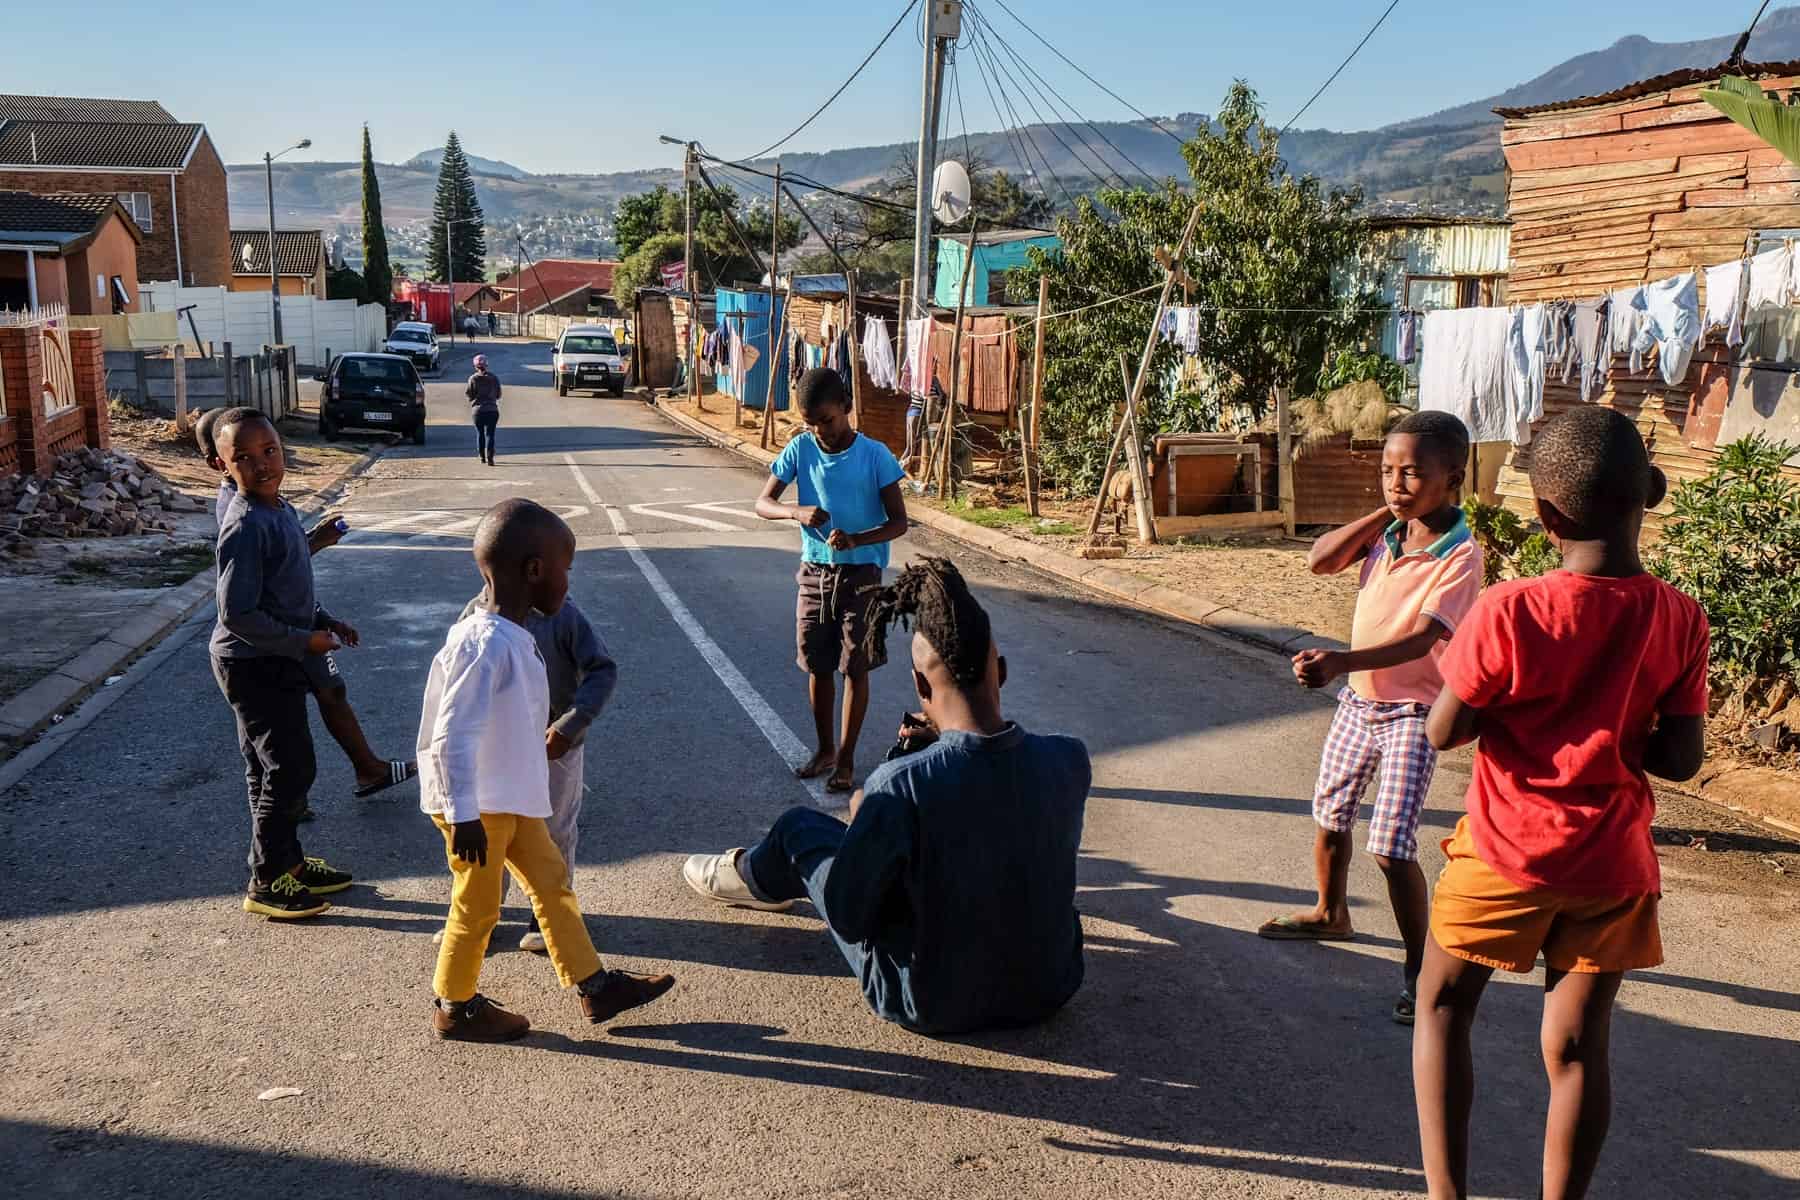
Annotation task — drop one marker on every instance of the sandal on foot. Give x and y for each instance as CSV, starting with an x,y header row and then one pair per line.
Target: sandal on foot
x,y
398,772
1299,929
841,782
815,767
1404,1008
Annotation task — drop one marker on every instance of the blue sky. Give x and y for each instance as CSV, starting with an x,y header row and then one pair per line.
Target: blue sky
x,y
561,86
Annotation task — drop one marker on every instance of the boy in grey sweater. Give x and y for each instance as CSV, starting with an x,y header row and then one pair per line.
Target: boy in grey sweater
x,y
582,677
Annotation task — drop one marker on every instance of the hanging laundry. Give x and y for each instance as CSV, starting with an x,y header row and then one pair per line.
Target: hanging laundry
x,y
1406,336
918,356
1672,323
796,357
1724,302
1587,357
1622,327
1463,369
878,353
1187,329
1771,279
846,363
1167,327
1525,365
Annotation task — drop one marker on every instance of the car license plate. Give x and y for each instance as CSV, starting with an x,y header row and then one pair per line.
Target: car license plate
x,y
378,416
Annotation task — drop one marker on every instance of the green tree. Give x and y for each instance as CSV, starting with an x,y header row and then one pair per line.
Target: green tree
x,y
1260,266
643,222
341,283
377,274
639,218
456,200
642,267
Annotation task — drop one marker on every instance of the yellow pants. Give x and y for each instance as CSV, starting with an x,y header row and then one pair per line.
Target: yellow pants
x,y
521,845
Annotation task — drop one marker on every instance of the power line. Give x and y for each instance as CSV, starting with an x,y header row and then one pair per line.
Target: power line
x,y
911,4
1100,176
1016,125
1333,78
1040,37
1011,133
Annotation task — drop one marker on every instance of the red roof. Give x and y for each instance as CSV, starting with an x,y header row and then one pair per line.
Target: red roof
x,y
468,291
551,279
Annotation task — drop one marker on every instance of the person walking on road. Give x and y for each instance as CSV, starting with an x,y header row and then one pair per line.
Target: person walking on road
x,y
484,403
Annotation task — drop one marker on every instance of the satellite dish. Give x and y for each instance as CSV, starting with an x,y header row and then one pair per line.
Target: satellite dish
x,y
949,193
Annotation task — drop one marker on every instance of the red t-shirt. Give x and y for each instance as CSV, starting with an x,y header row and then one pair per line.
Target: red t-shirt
x,y
1570,672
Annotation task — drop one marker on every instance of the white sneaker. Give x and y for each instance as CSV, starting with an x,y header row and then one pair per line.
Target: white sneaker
x,y
716,877
534,942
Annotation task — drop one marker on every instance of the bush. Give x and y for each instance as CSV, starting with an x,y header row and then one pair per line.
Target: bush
x,y
1510,550
1733,544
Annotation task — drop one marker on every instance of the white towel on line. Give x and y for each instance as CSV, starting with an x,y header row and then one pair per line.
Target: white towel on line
x,y
1463,370
1724,301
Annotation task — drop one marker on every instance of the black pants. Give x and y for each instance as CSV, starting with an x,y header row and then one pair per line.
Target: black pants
x,y
486,419
268,697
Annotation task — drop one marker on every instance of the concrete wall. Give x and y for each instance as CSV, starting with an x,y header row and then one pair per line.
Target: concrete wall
x,y
112,252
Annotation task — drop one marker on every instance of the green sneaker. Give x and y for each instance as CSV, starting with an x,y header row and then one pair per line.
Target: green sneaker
x,y
285,899
317,876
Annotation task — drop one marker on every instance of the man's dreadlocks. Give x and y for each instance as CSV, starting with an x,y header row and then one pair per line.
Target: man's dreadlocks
x,y
930,598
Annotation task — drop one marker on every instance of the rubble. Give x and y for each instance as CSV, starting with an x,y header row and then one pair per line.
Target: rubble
x,y
90,493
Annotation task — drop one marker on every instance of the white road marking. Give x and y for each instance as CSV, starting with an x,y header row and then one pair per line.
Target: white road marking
x,y
651,510
731,508
791,749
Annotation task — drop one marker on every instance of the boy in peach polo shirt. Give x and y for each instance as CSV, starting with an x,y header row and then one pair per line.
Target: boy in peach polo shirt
x,y
1421,572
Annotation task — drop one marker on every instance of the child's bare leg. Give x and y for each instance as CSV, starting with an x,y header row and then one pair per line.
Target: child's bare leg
x,y
1410,896
1576,1037
821,691
856,707
341,723
1443,1067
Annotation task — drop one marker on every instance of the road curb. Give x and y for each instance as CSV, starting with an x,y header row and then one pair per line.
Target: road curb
x,y
31,711
1138,591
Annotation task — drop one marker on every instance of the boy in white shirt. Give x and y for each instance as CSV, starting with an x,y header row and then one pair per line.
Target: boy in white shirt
x,y
485,781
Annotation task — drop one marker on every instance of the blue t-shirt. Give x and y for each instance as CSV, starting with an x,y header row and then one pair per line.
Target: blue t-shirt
x,y
848,486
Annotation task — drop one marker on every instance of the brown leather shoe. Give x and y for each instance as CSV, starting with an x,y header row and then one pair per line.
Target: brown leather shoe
x,y
477,1019
610,993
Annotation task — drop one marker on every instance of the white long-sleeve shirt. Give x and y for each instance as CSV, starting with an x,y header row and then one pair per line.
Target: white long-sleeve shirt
x,y
481,735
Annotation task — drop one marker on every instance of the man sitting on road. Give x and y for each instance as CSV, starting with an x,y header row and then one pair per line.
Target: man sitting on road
x,y
952,891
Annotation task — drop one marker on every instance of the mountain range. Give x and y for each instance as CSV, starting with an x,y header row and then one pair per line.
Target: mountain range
x,y
1446,160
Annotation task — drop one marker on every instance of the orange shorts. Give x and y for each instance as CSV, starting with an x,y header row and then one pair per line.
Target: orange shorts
x,y
1480,915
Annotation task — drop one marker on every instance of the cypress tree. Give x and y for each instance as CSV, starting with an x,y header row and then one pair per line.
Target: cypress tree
x,y
377,273
456,200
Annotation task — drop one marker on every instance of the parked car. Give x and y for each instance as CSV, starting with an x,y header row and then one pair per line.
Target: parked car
x,y
416,342
372,391
587,357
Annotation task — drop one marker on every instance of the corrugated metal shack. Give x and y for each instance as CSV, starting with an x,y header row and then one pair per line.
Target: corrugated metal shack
x,y
1430,262
749,315
1632,186
819,310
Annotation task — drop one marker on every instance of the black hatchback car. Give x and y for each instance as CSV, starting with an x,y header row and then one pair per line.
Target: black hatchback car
x,y
372,391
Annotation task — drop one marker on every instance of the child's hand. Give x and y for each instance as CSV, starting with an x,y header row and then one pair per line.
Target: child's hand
x,y
556,744
811,515
325,534
839,540
1316,668
347,632
468,841
322,641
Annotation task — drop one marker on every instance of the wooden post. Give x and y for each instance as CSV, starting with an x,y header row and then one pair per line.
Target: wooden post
x,y
1143,374
1037,396
855,350
1284,463
767,438
1134,459
947,476
179,370
737,399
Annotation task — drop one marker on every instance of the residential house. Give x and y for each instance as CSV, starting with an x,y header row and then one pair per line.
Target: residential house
x,y
76,250
997,253
1648,181
166,173
474,298
1424,262
561,287
299,261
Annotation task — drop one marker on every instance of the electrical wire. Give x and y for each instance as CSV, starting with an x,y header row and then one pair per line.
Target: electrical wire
x,y
1379,21
1031,71
1100,175
986,61
1171,134
1010,132
898,21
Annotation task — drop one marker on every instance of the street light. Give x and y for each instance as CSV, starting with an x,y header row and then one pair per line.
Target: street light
x,y
274,278
450,270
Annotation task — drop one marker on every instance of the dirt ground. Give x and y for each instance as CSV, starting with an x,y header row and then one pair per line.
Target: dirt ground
x,y
58,596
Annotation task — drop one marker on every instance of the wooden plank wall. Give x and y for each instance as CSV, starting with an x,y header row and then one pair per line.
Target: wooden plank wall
x,y
1615,195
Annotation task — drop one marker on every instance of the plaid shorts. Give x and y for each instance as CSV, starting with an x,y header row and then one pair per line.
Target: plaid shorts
x,y
1366,736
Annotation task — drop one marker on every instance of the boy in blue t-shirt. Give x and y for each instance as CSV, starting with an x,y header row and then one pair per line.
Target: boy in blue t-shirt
x,y
850,509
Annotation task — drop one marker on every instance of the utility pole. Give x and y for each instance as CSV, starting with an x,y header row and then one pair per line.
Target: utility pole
x,y
687,274
274,278
943,25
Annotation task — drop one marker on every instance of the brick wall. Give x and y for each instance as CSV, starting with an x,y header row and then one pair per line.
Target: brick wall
x,y
87,357
156,256
205,219
22,360
32,440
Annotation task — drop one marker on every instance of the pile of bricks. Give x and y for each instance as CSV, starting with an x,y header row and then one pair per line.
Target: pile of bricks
x,y
91,493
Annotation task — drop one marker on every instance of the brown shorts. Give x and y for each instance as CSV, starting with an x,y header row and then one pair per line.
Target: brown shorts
x,y
831,618
1480,916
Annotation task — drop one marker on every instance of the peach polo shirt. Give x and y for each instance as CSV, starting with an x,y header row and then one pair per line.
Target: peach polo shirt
x,y
1398,587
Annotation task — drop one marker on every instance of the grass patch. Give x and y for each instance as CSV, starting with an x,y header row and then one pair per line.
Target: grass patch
x,y
178,564
1010,517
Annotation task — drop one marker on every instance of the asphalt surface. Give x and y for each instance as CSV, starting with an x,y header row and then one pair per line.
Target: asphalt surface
x,y
141,1013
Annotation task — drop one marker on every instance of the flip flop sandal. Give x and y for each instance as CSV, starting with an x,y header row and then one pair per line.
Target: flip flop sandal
x,y
1405,1007
398,772
1293,929
840,783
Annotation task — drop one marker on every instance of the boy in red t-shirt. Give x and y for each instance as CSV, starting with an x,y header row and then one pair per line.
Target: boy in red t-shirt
x,y
1576,684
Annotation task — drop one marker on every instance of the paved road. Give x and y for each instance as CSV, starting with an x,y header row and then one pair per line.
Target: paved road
x,y
141,1013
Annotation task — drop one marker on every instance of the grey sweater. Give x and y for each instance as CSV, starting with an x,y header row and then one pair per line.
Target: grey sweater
x,y
582,673
265,589
484,390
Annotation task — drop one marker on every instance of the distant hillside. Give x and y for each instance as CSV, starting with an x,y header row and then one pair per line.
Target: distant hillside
x,y
1448,160
431,160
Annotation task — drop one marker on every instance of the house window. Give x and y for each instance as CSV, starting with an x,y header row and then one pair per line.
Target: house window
x,y
138,205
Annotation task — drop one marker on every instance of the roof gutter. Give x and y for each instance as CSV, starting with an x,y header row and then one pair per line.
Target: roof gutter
x,y
171,172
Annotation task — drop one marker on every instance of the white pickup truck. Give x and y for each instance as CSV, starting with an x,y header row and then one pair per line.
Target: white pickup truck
x,y
587,357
